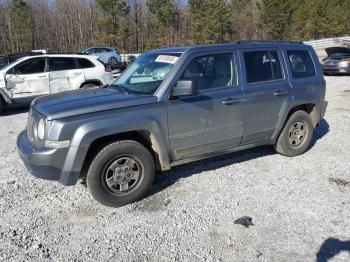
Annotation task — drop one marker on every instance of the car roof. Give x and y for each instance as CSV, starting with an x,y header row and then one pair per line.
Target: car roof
x,y
100,47
62,55
22,59
237,44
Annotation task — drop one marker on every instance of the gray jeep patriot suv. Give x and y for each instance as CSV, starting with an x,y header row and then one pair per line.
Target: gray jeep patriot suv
x,y
174,106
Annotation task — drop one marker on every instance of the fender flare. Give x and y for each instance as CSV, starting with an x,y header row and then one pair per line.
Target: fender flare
x,y
87,133
288,109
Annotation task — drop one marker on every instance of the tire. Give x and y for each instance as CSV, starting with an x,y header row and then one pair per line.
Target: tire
x,y
112,61
296,135
89,86
2,105
109,179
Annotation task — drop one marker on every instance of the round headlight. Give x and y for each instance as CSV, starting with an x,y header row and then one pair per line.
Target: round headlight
x,y
41,129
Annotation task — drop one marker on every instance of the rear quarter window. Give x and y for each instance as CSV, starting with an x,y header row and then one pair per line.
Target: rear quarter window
x,y
83,63
301,63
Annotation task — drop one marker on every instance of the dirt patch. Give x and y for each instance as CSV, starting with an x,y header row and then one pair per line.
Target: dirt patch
x,y
80,217
342,109
151,204
339,182
346,92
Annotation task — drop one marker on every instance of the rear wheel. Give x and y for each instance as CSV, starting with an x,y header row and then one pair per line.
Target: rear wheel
x,y
296,135
121,173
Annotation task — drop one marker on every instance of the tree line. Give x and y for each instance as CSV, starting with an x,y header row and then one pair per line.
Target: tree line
x,y
139,25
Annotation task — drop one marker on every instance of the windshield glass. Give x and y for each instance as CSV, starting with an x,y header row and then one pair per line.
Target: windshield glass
x,y
340,53
146,74
6,66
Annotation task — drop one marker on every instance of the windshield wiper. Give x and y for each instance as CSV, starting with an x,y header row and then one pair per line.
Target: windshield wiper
x,y
123,89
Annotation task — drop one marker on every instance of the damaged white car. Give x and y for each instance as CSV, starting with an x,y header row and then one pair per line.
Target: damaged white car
x,y
33,76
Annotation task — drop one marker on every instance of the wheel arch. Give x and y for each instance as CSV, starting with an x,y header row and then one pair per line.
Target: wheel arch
x,y
144,137
91,81
310,108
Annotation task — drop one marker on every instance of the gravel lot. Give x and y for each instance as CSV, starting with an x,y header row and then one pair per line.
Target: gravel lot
x,y
300,206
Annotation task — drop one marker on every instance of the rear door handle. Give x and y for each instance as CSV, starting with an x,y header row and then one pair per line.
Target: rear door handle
x,y
231,101
42,76
281,93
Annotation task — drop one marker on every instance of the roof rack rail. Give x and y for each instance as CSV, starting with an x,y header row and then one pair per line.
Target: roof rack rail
x,y
267,41
64,53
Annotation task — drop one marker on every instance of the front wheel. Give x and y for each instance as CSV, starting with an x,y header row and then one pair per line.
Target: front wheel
x,y
121,173
296,135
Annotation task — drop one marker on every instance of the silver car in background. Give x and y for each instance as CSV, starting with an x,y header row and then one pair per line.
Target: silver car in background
x,y
337,61
107,55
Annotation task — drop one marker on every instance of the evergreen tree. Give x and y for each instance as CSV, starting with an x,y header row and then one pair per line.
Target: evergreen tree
x,y
165,14
22,25
320,18
210,22
276,17
112,32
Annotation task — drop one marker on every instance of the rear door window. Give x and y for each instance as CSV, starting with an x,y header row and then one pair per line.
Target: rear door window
x,y
301,63
102,50
61,63
262,66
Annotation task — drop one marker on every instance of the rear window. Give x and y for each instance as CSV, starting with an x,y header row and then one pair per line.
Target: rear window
x,y
84,63
301,63
262,66
61,63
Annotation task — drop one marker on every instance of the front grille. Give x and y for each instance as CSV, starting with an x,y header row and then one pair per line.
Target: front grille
x,y
330,66
327,69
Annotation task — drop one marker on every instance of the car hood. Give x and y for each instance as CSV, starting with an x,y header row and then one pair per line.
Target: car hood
x,y
332,50
87,101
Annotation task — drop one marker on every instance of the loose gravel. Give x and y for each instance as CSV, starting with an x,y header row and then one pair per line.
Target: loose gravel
x,y
299,207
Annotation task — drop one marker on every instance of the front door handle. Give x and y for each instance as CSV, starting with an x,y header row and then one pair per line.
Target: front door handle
x,y
281,93
19,80
231,101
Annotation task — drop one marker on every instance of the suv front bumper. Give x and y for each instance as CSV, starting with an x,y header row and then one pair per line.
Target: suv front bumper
x,y
62,165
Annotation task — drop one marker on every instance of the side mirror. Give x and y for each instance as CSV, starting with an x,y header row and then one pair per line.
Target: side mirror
x,y
185,88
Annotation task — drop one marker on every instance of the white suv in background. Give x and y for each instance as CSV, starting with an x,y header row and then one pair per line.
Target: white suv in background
x,y
32,76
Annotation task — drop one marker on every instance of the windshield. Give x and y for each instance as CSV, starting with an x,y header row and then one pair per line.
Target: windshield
x,y
146,74
340,53
6,66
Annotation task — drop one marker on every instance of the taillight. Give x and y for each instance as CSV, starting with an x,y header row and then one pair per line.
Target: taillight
x,y
108,68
